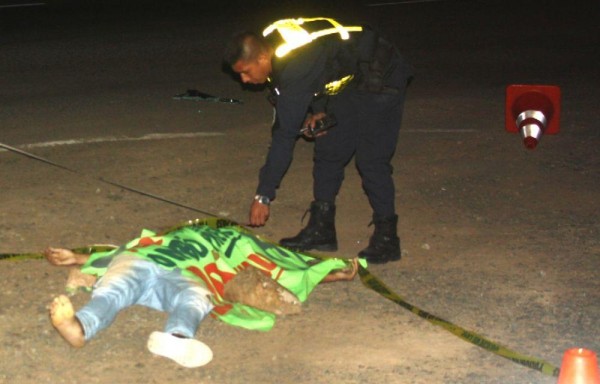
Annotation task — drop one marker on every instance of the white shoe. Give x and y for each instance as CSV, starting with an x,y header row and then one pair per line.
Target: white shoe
x,y
190,353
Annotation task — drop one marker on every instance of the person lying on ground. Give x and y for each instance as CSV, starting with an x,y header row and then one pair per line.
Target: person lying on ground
x,y
130,279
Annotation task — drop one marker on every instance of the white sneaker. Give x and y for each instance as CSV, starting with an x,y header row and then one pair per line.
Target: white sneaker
x,y
190,353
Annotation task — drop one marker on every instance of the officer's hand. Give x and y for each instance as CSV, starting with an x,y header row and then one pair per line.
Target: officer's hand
x,y
310,122
259,214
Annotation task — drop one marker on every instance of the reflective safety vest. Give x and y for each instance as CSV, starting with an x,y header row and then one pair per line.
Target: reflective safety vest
x,y
294,35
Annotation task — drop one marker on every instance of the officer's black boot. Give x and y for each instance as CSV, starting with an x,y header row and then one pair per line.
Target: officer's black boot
x,y
319,233
384,245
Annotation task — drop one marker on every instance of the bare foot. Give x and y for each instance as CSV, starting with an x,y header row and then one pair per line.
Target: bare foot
x,y
61,256
64,320
345,274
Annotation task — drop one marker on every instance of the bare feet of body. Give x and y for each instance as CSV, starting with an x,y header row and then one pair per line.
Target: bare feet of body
x,y
63,319
61,256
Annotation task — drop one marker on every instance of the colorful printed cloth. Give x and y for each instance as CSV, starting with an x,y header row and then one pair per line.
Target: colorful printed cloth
x,y
213,251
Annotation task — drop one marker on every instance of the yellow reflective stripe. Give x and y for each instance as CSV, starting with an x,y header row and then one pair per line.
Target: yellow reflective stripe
x,y
336,86
295,36
345,35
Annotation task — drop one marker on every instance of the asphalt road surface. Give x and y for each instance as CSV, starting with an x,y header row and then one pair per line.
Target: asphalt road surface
x,y
495,238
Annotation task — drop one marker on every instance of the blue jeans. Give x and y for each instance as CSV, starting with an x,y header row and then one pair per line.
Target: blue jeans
x,y
130,280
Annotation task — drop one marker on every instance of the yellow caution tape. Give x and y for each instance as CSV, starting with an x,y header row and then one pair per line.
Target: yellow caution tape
x,y
372,282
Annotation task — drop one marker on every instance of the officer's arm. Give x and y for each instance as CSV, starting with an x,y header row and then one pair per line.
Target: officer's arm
x,y
291,110
298,84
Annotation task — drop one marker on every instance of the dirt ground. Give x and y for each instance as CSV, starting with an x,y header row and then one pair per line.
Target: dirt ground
x,y
497,239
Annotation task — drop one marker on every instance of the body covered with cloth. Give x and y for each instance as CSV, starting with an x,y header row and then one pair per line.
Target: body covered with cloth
x,y
215,251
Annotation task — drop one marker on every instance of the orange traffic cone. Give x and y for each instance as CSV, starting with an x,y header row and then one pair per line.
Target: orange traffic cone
x,y
579,366
532,110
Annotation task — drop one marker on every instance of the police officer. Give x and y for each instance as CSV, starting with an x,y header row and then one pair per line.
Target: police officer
x,y
344,87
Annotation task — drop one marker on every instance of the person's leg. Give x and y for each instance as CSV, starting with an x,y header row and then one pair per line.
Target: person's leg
x,y
62,316
332,152
120,287
373,156
124,284
375,149
187,303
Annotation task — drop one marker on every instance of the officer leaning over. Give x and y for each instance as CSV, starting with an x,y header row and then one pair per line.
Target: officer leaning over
x,y
343,86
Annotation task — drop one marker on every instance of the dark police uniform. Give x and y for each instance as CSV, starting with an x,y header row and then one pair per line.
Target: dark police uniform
x,y
368,116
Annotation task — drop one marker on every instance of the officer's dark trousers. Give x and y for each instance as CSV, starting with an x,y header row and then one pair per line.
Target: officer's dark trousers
x,y
368,126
